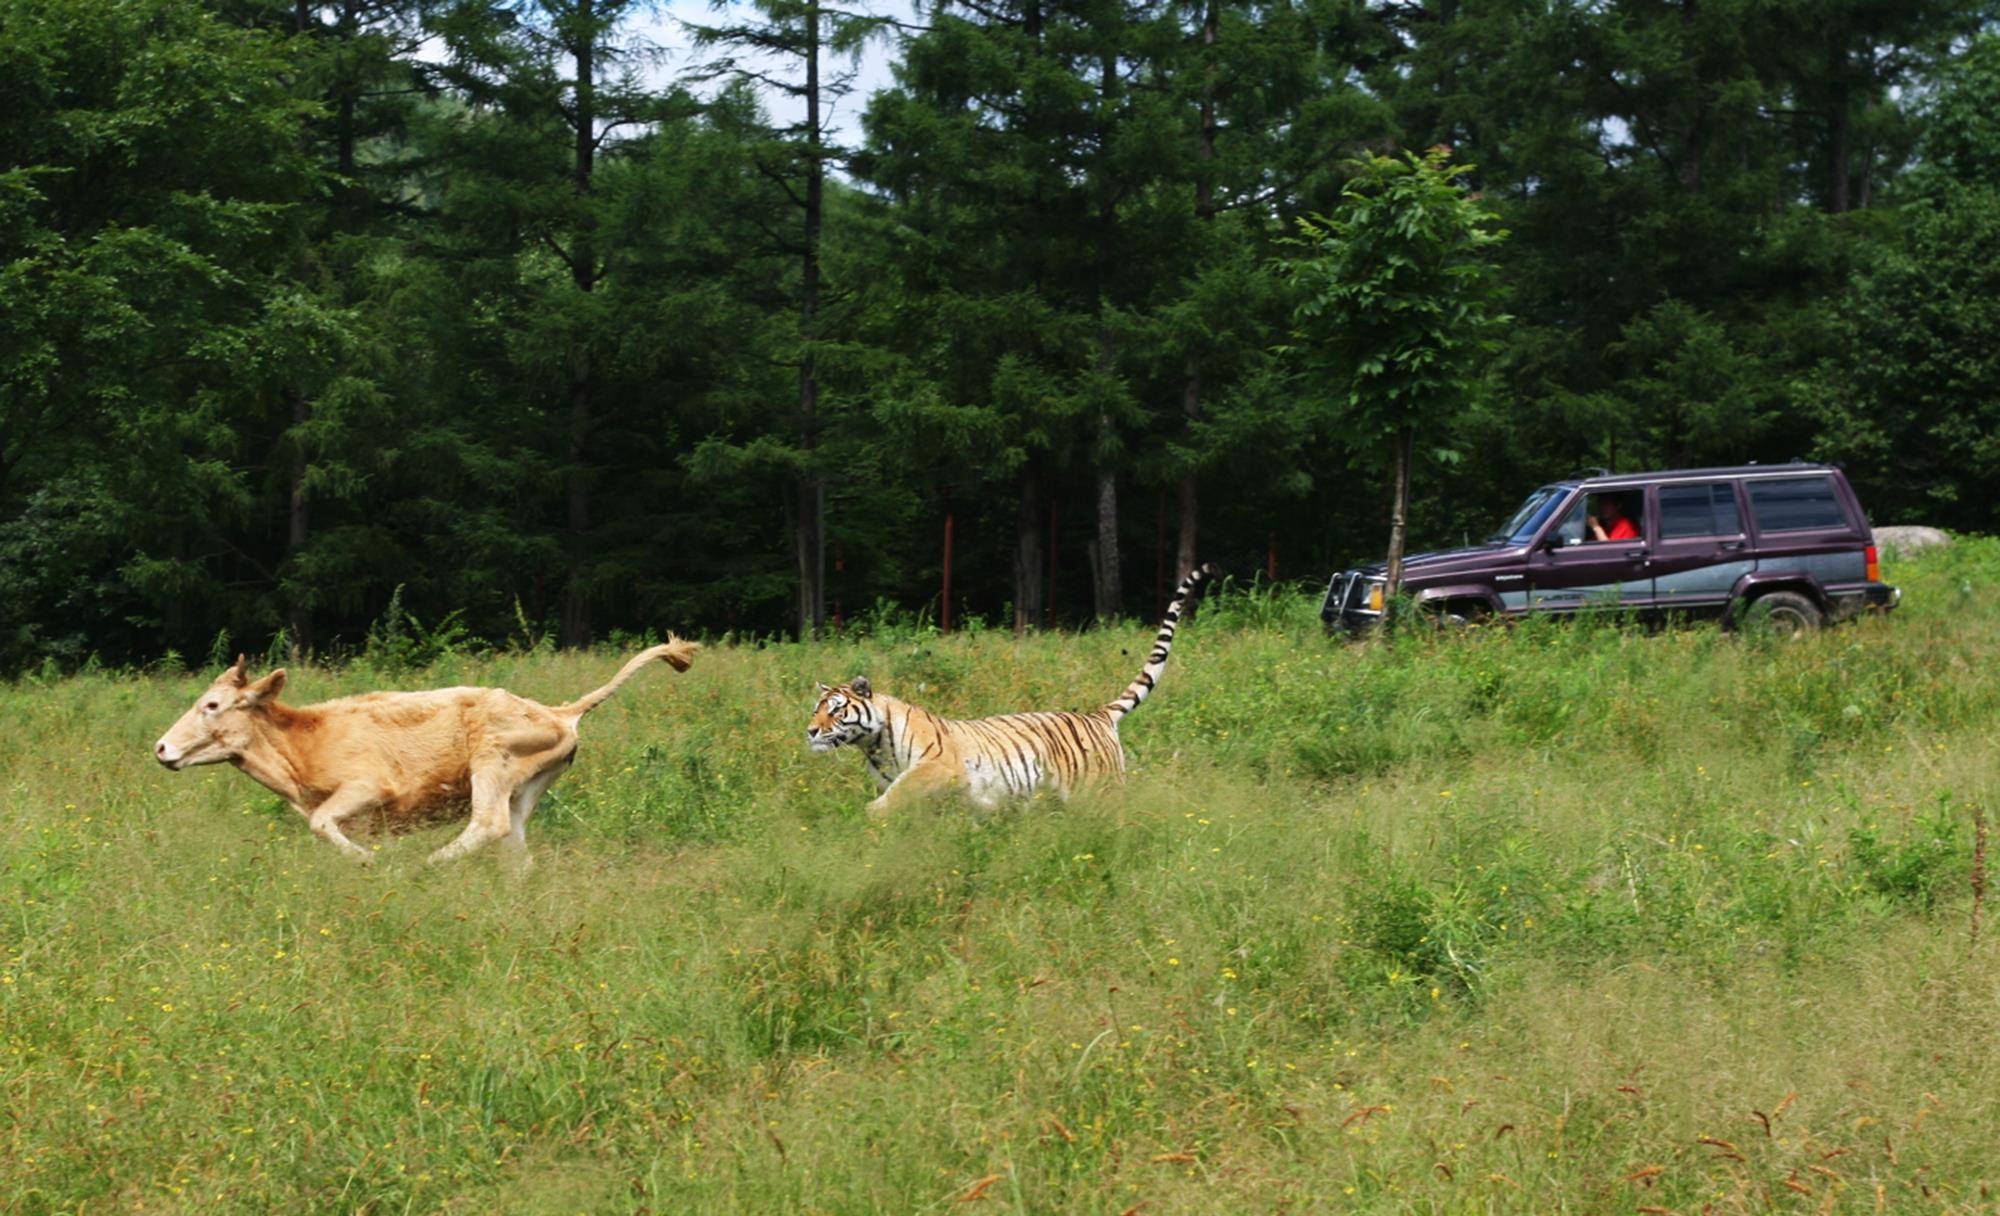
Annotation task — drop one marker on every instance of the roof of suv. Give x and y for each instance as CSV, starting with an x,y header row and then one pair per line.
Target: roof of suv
x,y
1743,470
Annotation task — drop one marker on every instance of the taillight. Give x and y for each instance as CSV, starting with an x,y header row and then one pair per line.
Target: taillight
x,y
1874,564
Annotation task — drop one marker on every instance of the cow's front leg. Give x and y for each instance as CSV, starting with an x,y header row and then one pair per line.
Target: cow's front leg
x,y
325,818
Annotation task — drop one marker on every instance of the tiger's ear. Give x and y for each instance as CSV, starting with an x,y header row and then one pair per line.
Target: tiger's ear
x,y
823,690
860,686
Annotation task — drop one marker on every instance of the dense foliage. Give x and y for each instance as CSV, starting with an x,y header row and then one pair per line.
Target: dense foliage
x,y
305,303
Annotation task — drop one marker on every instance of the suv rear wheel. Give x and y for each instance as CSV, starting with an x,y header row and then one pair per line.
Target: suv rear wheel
x,y
1782,614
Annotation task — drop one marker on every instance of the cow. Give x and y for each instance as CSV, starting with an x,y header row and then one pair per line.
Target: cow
x,y
410,758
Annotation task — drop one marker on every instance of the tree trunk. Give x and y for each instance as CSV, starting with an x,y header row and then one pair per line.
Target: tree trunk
x,y
1446,129
298,530
298,522
1399,513
1839,124
1837,155
807,555
1109,591
1204,210
811,534
1028,552
1697,136
574,630
944,602
1110,588
350,197
1049,610
1110,585
1185,557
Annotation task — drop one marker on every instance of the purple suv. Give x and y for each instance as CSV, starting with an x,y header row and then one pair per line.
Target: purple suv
x,y
1780,545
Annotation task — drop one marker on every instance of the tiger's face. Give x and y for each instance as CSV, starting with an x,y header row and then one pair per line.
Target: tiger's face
x,y
845,714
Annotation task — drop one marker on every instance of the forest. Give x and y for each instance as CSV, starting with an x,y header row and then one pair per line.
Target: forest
x,y
321,319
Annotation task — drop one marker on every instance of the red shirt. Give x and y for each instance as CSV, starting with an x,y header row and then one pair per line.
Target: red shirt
x,y
1622,530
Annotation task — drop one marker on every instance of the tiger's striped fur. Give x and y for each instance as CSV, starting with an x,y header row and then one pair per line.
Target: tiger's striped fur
x,y
913,752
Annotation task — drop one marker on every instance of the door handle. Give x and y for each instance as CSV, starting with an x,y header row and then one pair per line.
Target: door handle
x,y
1733,546
1635,553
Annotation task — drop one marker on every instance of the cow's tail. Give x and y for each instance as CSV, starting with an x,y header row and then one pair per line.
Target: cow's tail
x,y
677,653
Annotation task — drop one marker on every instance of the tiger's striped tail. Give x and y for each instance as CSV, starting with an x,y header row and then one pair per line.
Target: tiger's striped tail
x,y
1163,645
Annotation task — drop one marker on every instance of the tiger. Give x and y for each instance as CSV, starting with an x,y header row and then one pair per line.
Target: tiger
x,y
913,753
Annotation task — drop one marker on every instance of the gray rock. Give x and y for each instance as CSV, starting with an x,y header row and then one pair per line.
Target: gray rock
x,y
1904,541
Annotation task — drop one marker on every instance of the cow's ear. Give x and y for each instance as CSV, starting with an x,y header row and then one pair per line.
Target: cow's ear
x,y
266,689
860,686
238,673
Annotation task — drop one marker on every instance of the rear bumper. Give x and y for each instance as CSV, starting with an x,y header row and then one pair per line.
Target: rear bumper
x,y
1845,602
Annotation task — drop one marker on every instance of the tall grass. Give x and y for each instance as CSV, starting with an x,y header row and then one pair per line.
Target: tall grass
x,y
1556,918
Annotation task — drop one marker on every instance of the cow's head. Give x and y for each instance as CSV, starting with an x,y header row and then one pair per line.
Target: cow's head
x,y
219,725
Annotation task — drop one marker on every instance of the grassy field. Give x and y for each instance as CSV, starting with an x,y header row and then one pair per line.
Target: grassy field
x,y
1552,919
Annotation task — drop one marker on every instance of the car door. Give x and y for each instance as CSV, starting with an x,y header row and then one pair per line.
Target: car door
x,y
1802,526
1568,572
1700,547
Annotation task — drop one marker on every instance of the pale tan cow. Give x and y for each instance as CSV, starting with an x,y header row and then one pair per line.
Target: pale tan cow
x,y
411,758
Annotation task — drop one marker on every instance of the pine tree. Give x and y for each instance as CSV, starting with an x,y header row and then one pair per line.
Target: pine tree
x,y
559,76
809,38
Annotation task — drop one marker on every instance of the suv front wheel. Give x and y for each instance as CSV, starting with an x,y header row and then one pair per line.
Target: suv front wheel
x,y
1781,613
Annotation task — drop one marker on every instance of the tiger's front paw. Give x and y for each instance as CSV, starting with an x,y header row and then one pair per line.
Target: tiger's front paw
x,y
878,810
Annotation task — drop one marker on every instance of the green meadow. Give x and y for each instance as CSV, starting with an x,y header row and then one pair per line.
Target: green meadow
x,y
1580,918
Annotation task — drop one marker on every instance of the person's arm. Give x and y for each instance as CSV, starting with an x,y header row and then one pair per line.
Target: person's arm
x,y
1596,529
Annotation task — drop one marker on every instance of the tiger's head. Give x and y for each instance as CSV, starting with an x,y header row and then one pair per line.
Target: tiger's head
x,y
845,714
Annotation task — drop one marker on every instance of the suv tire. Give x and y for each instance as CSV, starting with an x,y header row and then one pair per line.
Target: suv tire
x,y
1459,615
1782,613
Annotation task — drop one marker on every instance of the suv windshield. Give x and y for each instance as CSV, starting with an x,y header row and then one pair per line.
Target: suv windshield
x,y
1529,519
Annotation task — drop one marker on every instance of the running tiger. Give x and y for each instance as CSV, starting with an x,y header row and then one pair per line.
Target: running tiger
x,y
914,753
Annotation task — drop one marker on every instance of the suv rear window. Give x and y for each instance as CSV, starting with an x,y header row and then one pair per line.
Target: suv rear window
x,y
1795,504
1700,510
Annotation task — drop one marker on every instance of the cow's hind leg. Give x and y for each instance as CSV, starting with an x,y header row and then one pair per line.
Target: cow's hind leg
x,y
493,785
522,805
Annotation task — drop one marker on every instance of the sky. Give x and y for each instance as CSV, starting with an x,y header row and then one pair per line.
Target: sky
x,y
664,28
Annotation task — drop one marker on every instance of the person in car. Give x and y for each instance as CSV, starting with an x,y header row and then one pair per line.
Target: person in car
x,y
1614,525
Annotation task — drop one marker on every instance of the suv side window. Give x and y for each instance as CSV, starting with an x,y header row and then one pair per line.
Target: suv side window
x,y
1708,509
1570,530
1575,526
1795,504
